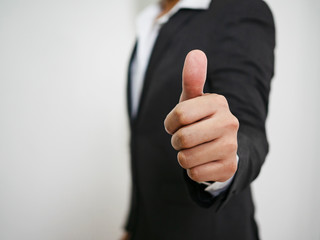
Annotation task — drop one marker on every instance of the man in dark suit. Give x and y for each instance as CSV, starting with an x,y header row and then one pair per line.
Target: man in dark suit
x,y
218,137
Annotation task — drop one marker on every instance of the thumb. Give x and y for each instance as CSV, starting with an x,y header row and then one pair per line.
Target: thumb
x,y
193,75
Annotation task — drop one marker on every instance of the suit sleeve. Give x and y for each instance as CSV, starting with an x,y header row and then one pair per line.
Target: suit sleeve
x,y
240,67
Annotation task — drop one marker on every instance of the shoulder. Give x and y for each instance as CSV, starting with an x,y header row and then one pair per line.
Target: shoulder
x,y
240,8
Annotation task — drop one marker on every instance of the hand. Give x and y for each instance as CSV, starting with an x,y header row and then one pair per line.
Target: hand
x,y
125,236
203,129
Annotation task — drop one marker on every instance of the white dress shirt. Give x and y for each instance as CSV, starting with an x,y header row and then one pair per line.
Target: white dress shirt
x,y
148,26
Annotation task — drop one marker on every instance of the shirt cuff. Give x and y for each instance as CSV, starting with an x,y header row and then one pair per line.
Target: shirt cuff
x,y
217,188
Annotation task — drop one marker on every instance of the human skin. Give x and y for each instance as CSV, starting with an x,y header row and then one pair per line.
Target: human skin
x,y
203,129
125,236
166,6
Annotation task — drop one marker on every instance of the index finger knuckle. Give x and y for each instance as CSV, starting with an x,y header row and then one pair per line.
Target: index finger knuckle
x,y
181,114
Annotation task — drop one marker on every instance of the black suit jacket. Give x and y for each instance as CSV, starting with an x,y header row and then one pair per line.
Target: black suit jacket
x,y
238,37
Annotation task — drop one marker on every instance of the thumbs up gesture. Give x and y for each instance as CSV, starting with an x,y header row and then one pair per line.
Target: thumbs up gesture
x,y
203,129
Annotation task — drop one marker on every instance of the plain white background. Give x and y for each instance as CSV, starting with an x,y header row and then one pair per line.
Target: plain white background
x,y
64,169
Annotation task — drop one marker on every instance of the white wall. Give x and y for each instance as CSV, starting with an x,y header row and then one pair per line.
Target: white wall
x,y
63,133
287,190
63,130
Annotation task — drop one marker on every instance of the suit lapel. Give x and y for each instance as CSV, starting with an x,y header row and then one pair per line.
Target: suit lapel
x,y
175,24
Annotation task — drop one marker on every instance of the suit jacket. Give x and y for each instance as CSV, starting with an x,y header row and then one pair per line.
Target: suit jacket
x,y
238,37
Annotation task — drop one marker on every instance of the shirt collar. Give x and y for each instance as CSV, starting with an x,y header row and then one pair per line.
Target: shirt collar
x,y
184,4
151,12
194,4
